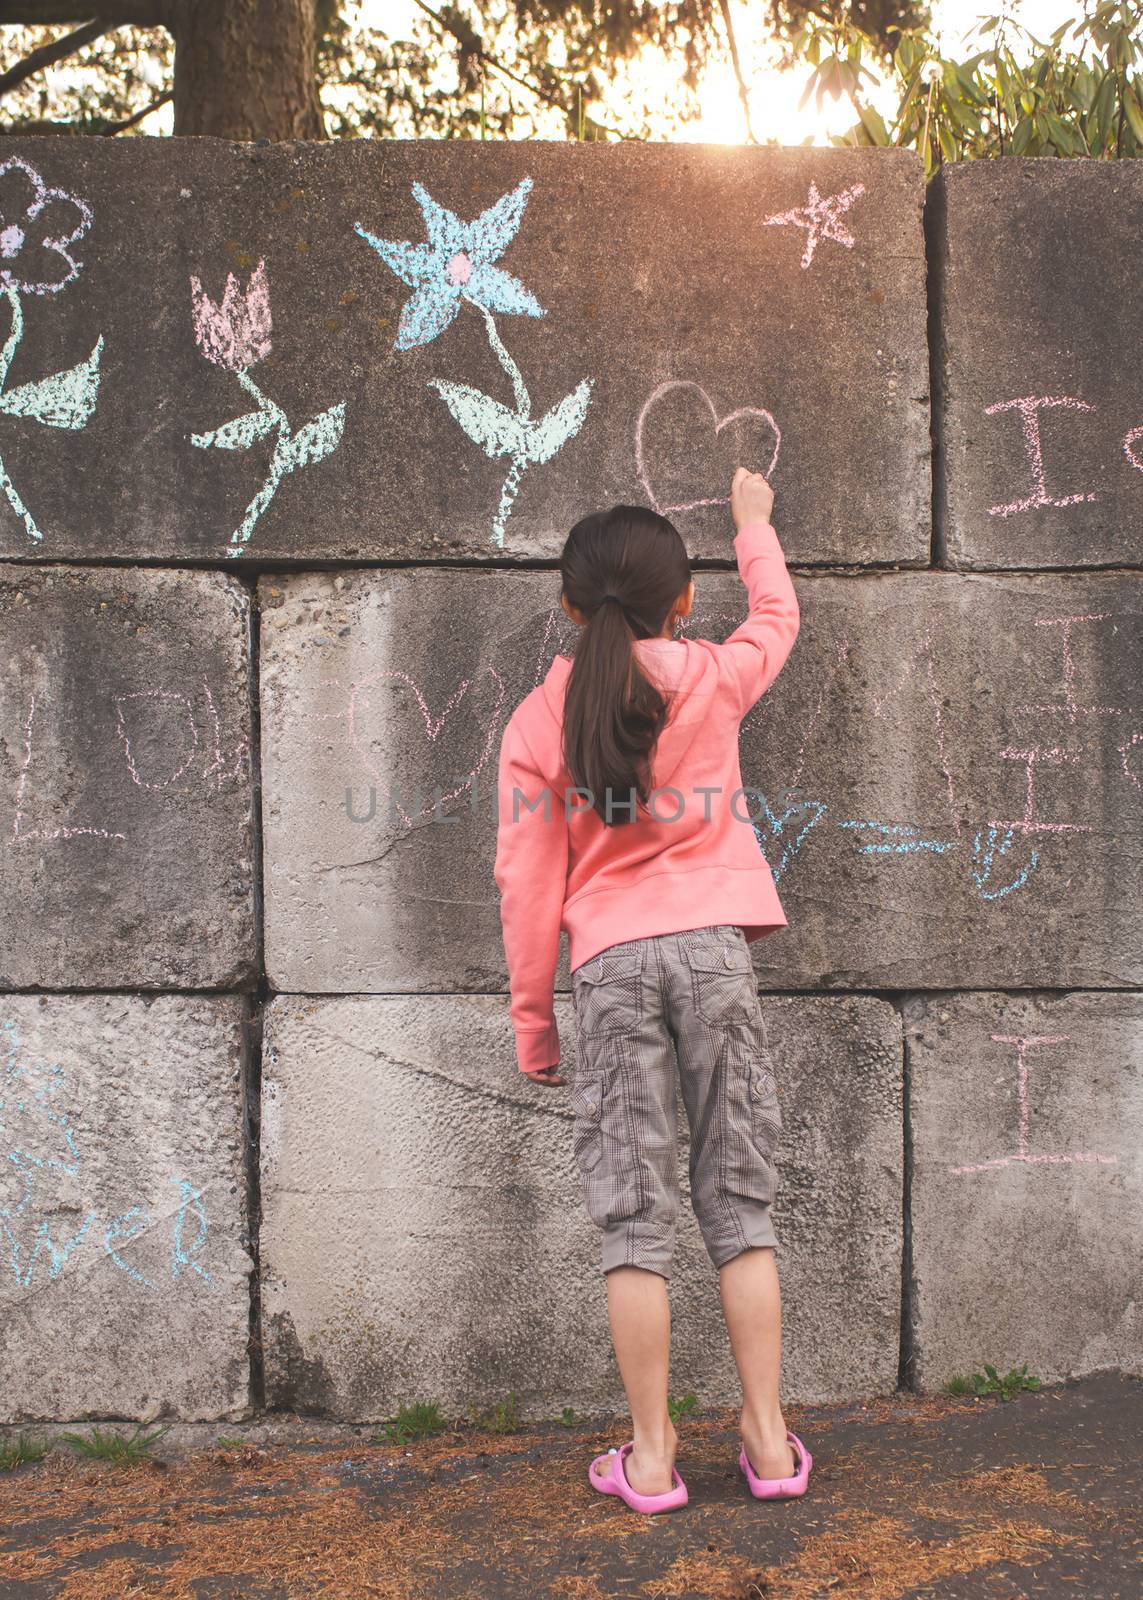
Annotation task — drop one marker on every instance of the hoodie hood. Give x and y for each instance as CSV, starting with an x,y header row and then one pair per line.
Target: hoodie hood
x,y
681,667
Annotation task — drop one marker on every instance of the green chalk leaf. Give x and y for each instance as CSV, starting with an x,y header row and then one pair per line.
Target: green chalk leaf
x,y
65,400
238,434
557,426
321,435
498,431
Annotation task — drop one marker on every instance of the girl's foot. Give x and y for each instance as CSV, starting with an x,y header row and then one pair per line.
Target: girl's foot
x,y
767,1450
647,1474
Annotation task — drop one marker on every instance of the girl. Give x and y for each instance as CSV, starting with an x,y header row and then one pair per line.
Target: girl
x,y
622,821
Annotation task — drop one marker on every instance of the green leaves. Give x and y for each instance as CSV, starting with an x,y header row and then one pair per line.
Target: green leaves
x,y
315,440
1080,93
554,429
64,400
502,433
239,434
498,431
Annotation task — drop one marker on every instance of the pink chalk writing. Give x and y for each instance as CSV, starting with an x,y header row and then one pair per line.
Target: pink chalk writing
x,y
1028,823
1070,708
170,695
158,700
19,834
1125,752
1129,446
359,700
1029,408
1023,1042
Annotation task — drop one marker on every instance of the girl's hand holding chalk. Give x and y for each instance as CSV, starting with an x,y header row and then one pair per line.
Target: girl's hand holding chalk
x,y
751,498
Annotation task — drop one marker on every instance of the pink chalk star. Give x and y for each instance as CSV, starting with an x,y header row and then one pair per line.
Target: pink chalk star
x,y
821,218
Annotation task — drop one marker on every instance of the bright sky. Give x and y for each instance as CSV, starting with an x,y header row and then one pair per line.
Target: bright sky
x,y
774,95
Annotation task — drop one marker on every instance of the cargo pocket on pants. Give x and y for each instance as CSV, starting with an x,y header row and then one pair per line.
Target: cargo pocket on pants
x,y
753,1120
722,976
609,1169
586,1097
607,991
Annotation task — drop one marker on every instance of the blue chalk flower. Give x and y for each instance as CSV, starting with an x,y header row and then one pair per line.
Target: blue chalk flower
x,y
454,264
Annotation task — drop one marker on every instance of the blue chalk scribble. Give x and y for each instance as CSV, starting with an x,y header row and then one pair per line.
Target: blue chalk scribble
x,y
182,1256
901,846
985,852
37,1140
776,829
37,1145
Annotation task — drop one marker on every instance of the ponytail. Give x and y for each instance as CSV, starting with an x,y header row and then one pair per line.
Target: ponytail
x,y
623,569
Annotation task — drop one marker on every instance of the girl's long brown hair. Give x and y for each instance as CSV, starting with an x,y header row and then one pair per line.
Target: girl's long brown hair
x,y
624,569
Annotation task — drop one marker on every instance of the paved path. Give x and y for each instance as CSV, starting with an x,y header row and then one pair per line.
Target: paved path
x,y
910,1498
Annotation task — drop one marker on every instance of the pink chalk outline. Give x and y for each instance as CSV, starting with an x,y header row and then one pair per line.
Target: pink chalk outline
x,y
1021,1153
358,697
733,416
820,218
1070,709
18,835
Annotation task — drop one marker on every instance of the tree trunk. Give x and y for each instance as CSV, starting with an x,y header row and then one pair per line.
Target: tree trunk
x,y
246,69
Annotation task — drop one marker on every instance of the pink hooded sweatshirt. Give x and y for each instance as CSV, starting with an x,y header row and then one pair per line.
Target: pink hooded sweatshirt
x,y
694,862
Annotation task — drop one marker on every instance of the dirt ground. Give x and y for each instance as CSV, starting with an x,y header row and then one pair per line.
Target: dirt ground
x,y
964,1499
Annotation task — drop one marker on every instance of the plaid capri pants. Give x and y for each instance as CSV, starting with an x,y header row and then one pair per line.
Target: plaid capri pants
x,y
643,1008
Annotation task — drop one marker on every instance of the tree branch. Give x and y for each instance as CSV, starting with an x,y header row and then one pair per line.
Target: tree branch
x,y
137,116
482,54
48,54
114,13
743,95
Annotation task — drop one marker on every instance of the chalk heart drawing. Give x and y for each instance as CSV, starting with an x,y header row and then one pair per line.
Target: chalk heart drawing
x,y
234,333
453,265
378,720
756,415
38,227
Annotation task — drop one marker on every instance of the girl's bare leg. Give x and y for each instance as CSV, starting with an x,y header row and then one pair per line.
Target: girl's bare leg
x,y
639,1310
752,1306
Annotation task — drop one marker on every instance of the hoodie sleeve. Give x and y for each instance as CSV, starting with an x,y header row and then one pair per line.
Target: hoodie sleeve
x,y
758,647
531,874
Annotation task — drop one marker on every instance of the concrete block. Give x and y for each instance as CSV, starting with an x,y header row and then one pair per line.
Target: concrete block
x,y
124,1252
965,751
1026,1124
423,1232
633,318
1038,404
125,717
383,699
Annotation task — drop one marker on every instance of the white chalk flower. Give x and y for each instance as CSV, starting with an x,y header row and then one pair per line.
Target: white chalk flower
x,y
932,72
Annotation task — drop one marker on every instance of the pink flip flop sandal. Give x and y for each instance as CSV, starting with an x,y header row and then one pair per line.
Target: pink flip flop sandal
x,y
780,1488
615,1482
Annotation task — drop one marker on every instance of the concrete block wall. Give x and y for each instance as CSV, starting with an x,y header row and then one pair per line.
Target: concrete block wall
x,y
277,564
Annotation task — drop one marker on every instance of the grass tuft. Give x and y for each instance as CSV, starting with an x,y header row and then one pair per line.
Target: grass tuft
x,y
419,1421
113,1445
16,1452
989,1382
